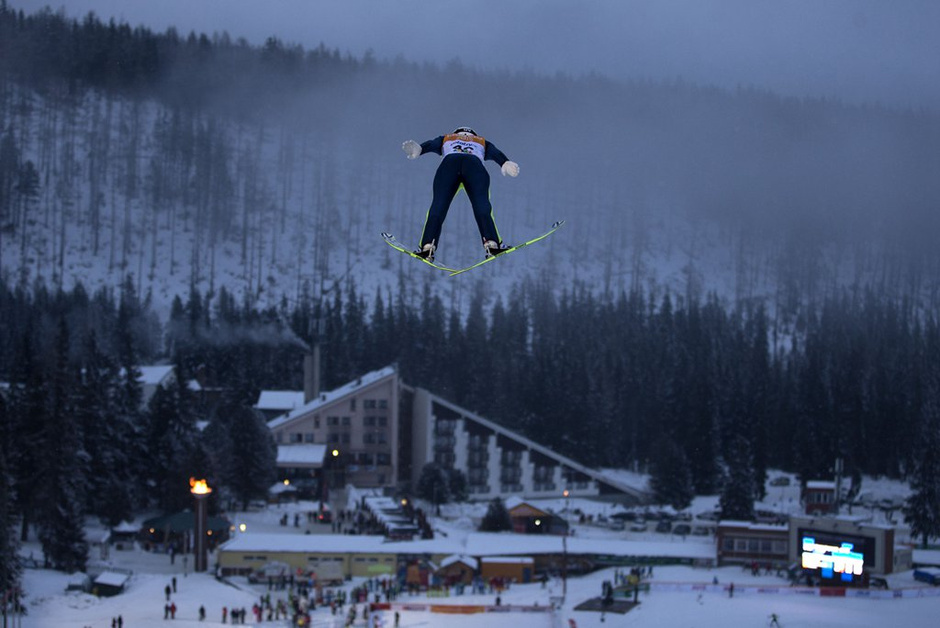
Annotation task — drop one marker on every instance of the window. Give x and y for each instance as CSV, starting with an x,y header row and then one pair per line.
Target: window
x,y
383,404
727,544
368,404
345,439
740,545
316,423
383,421
368,438
296,437
352,404
346,420
332,420
334,438
381,438
780,547
384,459
368,421
309,438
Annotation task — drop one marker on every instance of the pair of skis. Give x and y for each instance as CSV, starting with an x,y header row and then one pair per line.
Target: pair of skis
x,y
398,246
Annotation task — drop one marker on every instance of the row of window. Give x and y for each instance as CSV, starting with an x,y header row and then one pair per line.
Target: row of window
x,y
369,438
752,545
345,421
369,404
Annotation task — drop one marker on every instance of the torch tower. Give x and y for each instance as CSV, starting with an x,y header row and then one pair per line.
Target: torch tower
x,y
200,490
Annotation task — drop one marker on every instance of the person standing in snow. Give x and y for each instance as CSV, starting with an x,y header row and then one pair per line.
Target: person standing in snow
x,y
464,153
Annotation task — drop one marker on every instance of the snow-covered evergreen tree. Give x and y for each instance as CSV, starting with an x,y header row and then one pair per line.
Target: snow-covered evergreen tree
x,y
171,437
61,481
433,485
9,544
670,475
737,495
922,508
250,471
496,518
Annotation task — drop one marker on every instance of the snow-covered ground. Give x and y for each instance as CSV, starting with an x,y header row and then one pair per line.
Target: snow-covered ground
x,y
142,605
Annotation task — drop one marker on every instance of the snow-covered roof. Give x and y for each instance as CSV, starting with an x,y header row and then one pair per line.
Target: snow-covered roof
x,y
750,525
821,485
126,526
279,488
327,398
506,559
476,544
282,400
112,579
339,543
309,454
458,558
154,375
490,544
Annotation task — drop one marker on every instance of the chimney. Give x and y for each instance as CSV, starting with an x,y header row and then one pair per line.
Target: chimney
x,y
312,374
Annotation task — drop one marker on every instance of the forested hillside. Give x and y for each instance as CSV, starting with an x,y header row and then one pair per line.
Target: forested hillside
x,y
195,159
745,281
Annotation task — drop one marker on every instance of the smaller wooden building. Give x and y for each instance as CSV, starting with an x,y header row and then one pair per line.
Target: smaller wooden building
x,y
109,583
457,569
819,497
508,568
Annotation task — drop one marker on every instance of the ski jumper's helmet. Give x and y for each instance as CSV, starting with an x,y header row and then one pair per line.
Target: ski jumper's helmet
x,y
464,129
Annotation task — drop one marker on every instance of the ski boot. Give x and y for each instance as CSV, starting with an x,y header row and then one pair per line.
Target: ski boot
x,y
426,251
494,248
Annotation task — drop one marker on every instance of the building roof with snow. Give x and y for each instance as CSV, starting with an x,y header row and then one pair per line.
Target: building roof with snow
x,y
326,398
279,400
309,455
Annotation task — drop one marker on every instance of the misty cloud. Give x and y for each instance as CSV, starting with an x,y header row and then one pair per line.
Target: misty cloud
x,y
854,50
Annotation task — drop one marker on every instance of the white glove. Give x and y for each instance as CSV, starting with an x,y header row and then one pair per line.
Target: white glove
x,y
510,168
412,149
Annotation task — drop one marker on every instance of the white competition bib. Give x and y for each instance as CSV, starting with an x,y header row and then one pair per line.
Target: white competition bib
x,y
464,145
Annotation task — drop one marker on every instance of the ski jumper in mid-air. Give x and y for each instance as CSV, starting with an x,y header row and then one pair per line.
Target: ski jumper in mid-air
x,y
463,154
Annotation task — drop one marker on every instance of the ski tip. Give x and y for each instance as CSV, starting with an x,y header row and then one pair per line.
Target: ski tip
x,y
557,224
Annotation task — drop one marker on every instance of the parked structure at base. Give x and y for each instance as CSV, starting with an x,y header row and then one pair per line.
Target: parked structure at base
x,y
780,546
368,556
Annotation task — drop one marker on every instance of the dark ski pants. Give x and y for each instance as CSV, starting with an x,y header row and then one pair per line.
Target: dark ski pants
x,y
454,171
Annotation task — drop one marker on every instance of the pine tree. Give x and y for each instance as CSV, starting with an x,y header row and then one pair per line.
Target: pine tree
x,y
737,495
433,485
496,518
109,472
61,479
922,508
457,485
670,476
170,439
28,409
250,471
10,567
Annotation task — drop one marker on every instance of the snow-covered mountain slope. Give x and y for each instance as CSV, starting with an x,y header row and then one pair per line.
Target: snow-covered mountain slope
x,y
277,210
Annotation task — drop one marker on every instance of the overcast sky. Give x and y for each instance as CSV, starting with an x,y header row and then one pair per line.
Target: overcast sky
x,y
885,51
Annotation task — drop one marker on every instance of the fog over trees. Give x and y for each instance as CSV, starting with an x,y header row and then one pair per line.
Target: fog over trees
x,y
745,281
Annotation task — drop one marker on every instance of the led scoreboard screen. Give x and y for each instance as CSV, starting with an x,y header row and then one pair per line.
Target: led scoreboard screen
x,y
835,558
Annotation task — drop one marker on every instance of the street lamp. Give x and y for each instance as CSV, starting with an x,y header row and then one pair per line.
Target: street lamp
x,y
564,545
200,490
